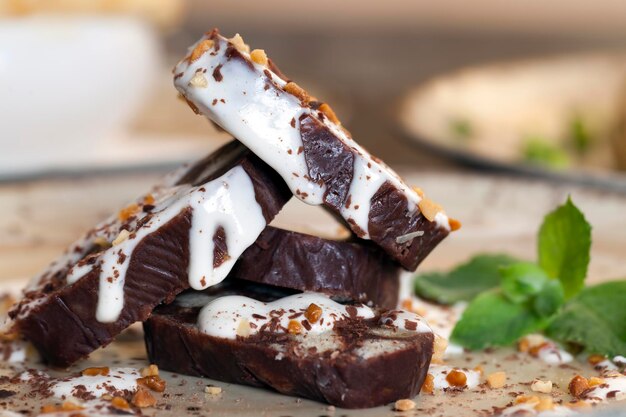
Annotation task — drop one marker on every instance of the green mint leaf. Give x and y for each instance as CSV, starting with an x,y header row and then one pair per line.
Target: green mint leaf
x,y
594,320
550,299
463,283
521,281
564,246
542,152
493,320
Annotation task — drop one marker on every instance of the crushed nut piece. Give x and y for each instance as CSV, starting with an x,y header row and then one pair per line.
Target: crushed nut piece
x,y
96,371
530,341
66,406
534,350
209,389
150,370
594,381
454,224
404,405
106,397
439,349
527,399
295,90
200,49
102,242
496,380
578,385
154,382
294,327
545,404
429,208
119,402
418,191
199,80
143,399
313,313
479,368
429,384
127,212
595,359
579,404
328,112
239,44
243,329
541,386
148,199
456,378
124,234
259,56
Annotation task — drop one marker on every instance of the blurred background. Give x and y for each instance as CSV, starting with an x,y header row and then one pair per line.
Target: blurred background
x,y
85,85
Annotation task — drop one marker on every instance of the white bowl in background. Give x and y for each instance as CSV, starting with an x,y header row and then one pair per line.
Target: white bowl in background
x,y
66,82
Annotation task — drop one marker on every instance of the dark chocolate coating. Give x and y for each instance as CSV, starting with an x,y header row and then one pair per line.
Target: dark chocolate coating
x,y
356,271
64,328
340,377
330,161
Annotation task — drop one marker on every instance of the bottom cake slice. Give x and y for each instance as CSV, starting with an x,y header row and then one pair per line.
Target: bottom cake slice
x,y
306,345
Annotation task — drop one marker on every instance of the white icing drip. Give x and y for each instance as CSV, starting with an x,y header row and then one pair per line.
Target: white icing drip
x,y
223,317
440,372
553,355
262,119
118,379
228,201
614,384
405,320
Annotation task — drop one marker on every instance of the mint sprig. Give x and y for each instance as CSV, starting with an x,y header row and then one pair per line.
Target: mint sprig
x,y
509,299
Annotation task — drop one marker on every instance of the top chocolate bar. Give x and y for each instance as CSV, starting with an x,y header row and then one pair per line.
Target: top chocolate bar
x,y
302,139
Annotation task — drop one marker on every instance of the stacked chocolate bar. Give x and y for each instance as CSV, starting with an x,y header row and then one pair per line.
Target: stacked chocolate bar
x,y
224,295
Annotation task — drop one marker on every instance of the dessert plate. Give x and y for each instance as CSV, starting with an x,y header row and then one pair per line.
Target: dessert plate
x,y
499,215
554,117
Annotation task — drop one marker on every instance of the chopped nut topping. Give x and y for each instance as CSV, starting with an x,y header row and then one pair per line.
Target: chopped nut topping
x,y
526,399
545,404
429,208
328,111
295,90
209,389
143,398
66,406
243,329
199,80
579,404
107,397
102,242
429,384
121,237
148,199
313,313
95,371
127,212
119,402
418,191
239,44
456,378
479,368
496,380
530,341
154,382
439,349
578,385
541,386
200,49
404,405
294,327
594,381
454,224
259,56
151,370
595,359
534,350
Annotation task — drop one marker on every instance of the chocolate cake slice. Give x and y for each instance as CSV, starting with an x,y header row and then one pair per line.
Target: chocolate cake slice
x,y
302,139
187,232
303,345
344,270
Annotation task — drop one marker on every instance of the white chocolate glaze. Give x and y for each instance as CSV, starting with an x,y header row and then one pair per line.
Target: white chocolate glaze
x,y
118,380
440,372
248,101
231,316
228,202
